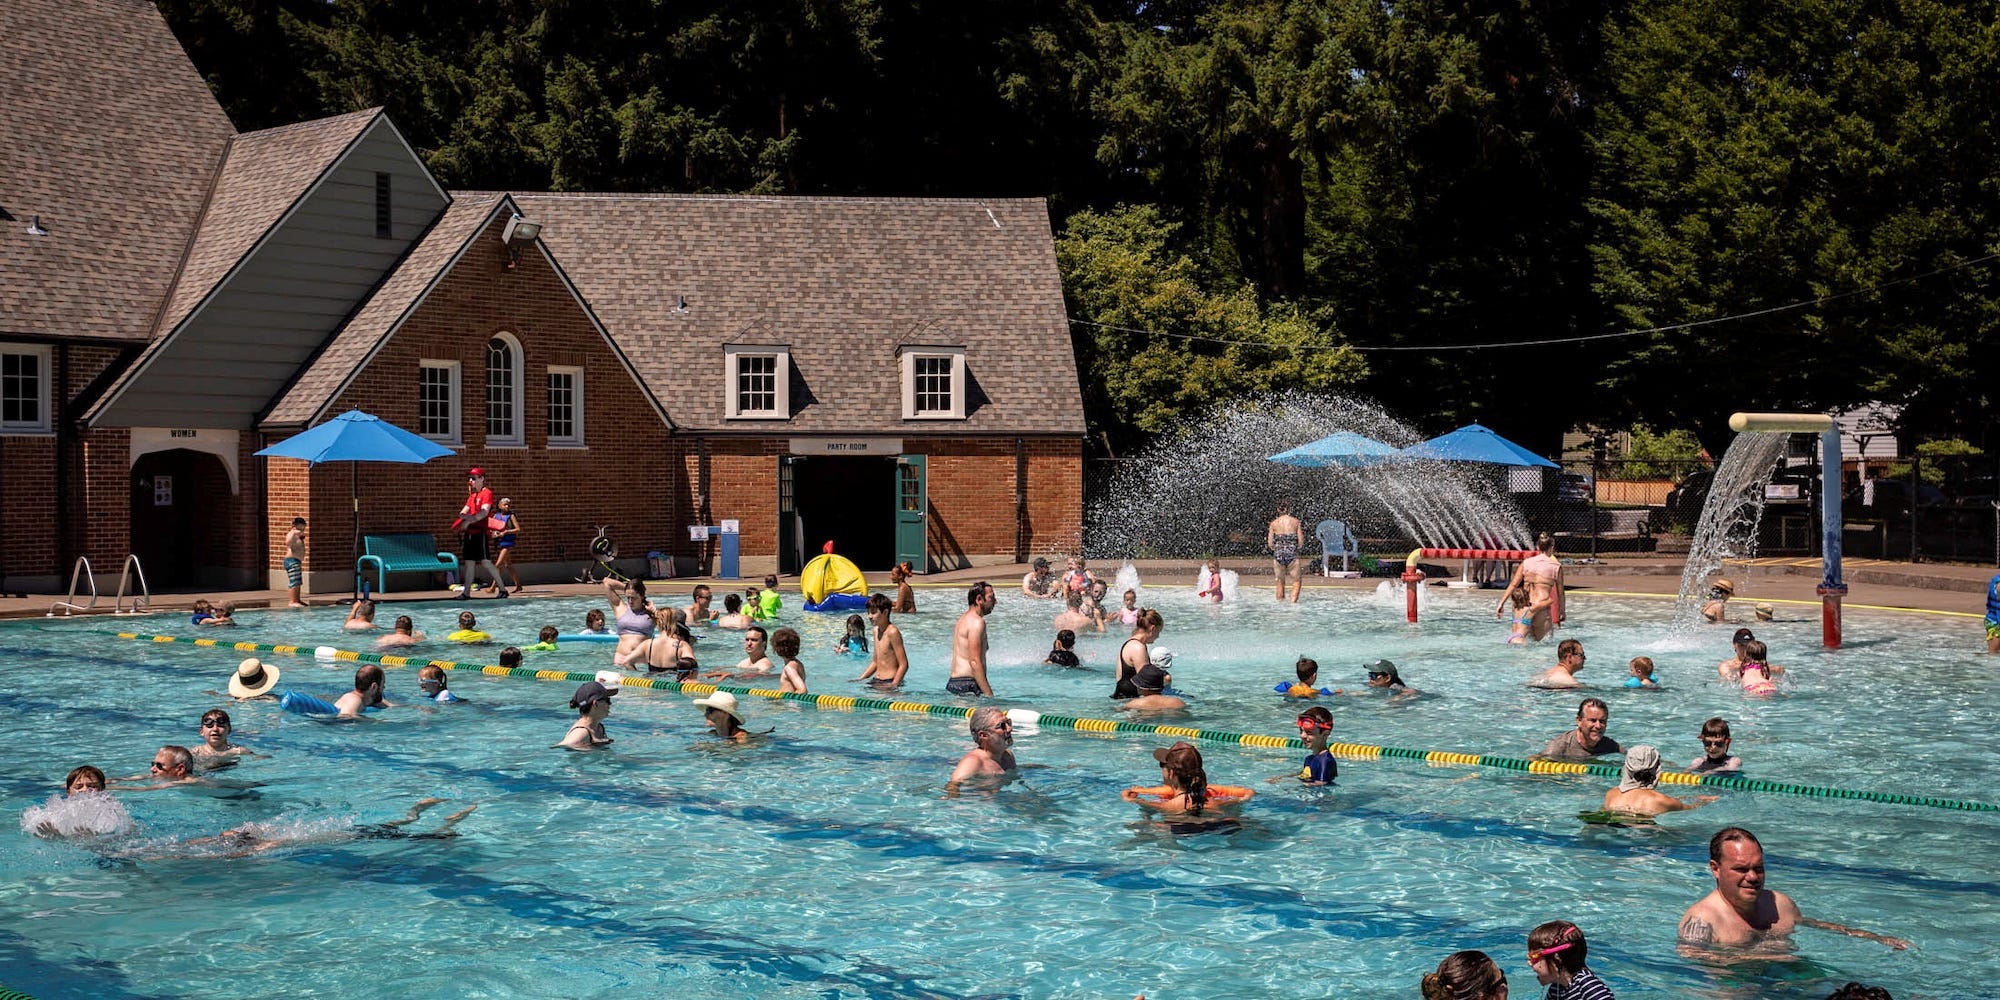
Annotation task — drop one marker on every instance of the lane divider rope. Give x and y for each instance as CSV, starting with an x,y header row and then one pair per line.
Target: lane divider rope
x,y
1350,751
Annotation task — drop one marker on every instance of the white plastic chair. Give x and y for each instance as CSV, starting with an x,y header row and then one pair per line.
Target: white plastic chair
x,y
1335,540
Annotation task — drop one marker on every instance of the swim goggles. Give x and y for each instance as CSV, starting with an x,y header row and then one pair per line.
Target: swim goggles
x,y
1312,724
1537,954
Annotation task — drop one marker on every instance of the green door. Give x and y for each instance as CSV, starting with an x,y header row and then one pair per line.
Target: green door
x,y
790,547
912,510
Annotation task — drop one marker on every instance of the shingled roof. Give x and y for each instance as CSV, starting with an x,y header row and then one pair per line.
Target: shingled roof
x,y
119,189
844,282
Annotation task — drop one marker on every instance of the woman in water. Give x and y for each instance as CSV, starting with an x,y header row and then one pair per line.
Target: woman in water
x,y
1184,788
906,599
1282,538
1540,576
1759,675
1134,654
592,703
1465,975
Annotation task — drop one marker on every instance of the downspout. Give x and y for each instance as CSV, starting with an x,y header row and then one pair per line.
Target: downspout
x,y
1021,529
65,549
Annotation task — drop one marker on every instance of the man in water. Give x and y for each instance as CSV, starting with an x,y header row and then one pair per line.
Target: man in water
x,y
1636,794
1152,684
1569,660
406,634
1282,538
1039,583
756,652
1542,575
698,611
1587,740
172,765
992,755
1741,912
890,660
367,693
968,643
1993,614
256,838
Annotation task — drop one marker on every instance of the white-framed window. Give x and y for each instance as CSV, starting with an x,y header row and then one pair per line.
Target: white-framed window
x,y
437,400
24,389
933,383
503,391
758,381
565,406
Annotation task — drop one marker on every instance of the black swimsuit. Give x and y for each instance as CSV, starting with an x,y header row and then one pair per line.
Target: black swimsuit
x,y
1124,688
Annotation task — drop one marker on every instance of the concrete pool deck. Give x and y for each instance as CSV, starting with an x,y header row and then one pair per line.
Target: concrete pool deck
x,y
1938,587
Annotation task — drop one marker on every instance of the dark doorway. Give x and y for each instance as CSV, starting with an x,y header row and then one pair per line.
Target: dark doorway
x,y
180,503
851,501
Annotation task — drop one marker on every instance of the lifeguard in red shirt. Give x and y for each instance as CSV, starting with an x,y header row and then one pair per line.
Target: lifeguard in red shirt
x,y
472,528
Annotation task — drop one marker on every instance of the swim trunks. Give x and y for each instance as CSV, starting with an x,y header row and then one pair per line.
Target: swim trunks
x,y
295,571
962,685
472,547
1992,630
1285,548
889,682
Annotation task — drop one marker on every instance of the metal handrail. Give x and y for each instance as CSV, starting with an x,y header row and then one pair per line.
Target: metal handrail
x,y
142,599
81,571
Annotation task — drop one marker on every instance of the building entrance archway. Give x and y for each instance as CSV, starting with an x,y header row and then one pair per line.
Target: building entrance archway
x,y
180,531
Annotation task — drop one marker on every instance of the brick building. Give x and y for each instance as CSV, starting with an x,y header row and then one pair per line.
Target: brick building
x,y
892,375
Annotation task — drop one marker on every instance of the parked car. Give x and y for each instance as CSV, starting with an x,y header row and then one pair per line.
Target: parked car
x,y
1572,487
1791,485
1891,497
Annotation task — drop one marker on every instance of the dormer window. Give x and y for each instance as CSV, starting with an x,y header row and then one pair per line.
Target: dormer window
x,y
759,381
933,383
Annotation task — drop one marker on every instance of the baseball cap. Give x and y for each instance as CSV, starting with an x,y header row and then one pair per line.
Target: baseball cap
x,y
590,693
475,473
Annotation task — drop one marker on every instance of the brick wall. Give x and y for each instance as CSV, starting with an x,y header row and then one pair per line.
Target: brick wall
x,y
31,550
628,476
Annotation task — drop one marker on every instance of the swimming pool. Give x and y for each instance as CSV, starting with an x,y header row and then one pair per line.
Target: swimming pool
x,y
826,861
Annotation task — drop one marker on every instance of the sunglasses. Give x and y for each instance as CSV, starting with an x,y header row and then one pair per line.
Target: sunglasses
x,y
1709,741
157,766
214,724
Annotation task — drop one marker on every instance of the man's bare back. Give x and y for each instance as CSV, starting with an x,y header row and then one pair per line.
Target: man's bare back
x,y
968,648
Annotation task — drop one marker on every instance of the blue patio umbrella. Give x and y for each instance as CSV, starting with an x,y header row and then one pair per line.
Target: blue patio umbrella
x,y
356,437
1474,443
1343,448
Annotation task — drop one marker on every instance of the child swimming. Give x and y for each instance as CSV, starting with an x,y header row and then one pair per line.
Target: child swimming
x,y
855,642
1642,674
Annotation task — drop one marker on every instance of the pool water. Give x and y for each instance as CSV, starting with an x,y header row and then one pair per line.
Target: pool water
x,y
825,861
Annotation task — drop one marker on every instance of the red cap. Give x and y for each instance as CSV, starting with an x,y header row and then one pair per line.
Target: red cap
x,y
476,473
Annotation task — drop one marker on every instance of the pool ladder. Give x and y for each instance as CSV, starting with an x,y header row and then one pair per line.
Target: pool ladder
x,y
81,574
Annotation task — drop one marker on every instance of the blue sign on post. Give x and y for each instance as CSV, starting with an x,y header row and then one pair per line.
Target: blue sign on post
x,y
729,534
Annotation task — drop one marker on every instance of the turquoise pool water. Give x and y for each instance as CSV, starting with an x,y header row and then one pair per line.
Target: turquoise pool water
x,y
826,862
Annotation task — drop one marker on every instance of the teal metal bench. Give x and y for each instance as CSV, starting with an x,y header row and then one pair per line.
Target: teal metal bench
x,y
412,553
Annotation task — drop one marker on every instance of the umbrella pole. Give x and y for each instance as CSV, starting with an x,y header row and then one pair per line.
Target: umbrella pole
x,y
354,500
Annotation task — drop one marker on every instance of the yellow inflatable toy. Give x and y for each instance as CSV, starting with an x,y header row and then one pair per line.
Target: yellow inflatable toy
x,y
828,576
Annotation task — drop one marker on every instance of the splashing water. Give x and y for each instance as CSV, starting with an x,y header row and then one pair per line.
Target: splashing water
x,y
1127,579
1729,518
86,814
1201,582
1209,489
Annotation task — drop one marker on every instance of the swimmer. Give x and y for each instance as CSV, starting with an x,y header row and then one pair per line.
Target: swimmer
x,y
1587,740
360,617
431,680
82,810
1152,683
1282,536
468,631
1731,669
617,592
756,659
1093,606
891,661
1715,756
1315,729
1072,616
1540,576
723,717
215,732
1740,912
1523,617
992,754
906,598
635,626
1209,587
1757,673
83,779
1642,674
856,638
1556,954
1307,686
1077,578
791,676
1039,583
592,702
698,611
1993,614
1383,676
253,679
1465,975
1135,654
1128,614
1183,788
1063,653
405,634
172,765
732,614
593,622
769,602
205,613
969,642
367,693
545,641
1716,608
665,652
1636,794
1569,660
256,838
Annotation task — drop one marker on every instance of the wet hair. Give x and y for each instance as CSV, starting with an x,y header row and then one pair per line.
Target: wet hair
x,y
1132,594
984,718
1319,714
1857,991
86,771
758,631
1074,600
1190,776
365,610
549,634
404,624
771,581
1556,932
182,756
1519,595
1597,703
785,642
1726,835
1644,665
880,602
1715,727
368,674
594,618
1754,651
857,625
510,657
700,591
1308,668
732,603
433,672
1065,639
1148,619
976,592
1568,647
467,619
1463,975
202,604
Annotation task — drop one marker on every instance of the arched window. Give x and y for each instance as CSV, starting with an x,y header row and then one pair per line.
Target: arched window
x,y
503,390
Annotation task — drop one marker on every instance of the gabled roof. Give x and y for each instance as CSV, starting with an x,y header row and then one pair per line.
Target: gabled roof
x,y
428,262
843,282
263,175
119,187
